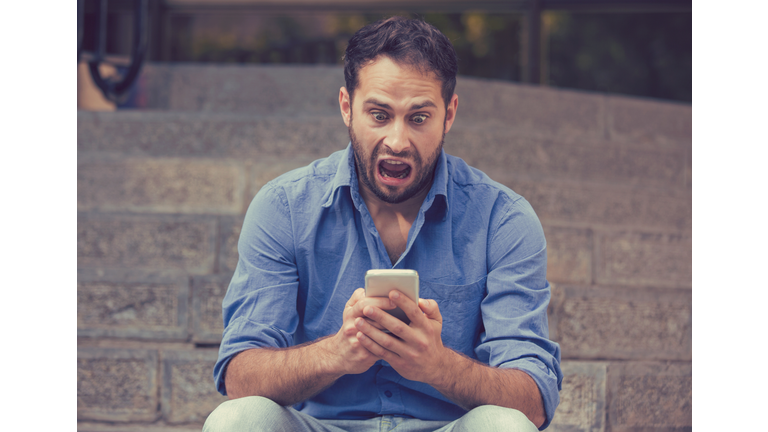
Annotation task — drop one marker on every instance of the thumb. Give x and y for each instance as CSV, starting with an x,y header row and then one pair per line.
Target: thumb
x,y
358,295
431,309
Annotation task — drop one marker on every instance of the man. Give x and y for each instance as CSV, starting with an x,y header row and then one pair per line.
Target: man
x,y
298,328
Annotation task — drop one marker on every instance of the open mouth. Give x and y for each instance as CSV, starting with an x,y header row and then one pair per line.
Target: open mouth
x,y
394,169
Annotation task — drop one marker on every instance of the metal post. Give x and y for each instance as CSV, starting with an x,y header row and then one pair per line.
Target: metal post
x,y
101,30
80,27
532,43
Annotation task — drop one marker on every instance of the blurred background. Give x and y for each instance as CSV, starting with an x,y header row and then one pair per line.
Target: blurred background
x,y
630,47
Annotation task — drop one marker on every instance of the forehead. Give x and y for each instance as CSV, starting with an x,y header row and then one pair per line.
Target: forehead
x,y
385,78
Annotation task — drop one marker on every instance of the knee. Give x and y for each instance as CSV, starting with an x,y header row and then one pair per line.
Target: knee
x,y
240,414
496,418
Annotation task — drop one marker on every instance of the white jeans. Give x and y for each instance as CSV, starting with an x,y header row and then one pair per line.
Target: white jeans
x,y
261,414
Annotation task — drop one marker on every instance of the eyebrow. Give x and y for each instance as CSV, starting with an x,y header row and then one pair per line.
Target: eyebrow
x,y
414,107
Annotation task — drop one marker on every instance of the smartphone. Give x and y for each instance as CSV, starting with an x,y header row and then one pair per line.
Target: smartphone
x,y
378,283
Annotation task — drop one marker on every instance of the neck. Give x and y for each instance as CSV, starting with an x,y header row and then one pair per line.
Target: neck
x,y
407,209
393,221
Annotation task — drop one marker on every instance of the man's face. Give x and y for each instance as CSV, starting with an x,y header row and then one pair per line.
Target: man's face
x,y
400,120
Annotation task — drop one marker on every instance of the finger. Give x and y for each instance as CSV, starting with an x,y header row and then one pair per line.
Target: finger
x,y
358,295
376,349
374,323
377,302
411,309
349,311
431,309
376,341
386,321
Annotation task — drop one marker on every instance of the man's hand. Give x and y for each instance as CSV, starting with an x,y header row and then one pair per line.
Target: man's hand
x,y
291,375
417,352
353,357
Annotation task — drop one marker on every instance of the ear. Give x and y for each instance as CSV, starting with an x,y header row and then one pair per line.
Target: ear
x,y
345,105
450,112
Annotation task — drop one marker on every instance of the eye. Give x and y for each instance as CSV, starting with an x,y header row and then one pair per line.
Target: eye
x,y
379,116
419,118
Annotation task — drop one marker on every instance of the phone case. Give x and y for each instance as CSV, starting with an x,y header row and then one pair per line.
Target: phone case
x,y
379,282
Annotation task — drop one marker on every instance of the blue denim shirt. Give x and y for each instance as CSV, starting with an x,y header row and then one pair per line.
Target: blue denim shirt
x,y
308,239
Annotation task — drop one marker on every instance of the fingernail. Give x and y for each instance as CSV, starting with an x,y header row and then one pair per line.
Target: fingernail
x,y
395,295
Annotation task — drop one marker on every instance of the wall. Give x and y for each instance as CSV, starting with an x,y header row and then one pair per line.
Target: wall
x,y
162,192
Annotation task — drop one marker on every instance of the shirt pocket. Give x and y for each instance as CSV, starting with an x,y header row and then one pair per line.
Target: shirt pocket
x,y
460,309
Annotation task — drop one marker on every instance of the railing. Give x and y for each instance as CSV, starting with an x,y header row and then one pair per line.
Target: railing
x,y
115,88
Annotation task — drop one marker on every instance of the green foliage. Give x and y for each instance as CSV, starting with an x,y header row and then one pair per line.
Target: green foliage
x,y
640,54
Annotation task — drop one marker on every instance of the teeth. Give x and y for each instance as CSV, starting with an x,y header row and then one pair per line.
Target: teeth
x,y
400,176
403,174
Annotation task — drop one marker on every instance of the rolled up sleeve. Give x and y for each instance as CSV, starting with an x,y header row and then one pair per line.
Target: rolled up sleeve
x,y
259,308
514,311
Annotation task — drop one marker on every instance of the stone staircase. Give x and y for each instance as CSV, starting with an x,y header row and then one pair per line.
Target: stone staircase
x,y
162,192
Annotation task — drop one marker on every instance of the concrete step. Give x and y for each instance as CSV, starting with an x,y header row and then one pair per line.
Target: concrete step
x,y
247,89
314,90
162,194
213,163
171,389
523,151
154,302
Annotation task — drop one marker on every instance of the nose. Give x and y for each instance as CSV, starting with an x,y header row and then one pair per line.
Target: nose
x,y
397,137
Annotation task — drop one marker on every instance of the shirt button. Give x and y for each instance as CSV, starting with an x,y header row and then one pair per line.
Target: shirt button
x,y
388,393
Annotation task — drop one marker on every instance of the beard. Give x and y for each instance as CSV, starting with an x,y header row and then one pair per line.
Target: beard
x,y
422,171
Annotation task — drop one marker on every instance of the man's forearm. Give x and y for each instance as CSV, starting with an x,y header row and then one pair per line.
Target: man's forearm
x,y
286,376
471,384
291,375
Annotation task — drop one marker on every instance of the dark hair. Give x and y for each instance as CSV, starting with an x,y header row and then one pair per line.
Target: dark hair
x,y
406,41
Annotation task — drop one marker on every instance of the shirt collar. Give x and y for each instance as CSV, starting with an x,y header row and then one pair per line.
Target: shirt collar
x,y
439,187
347,176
